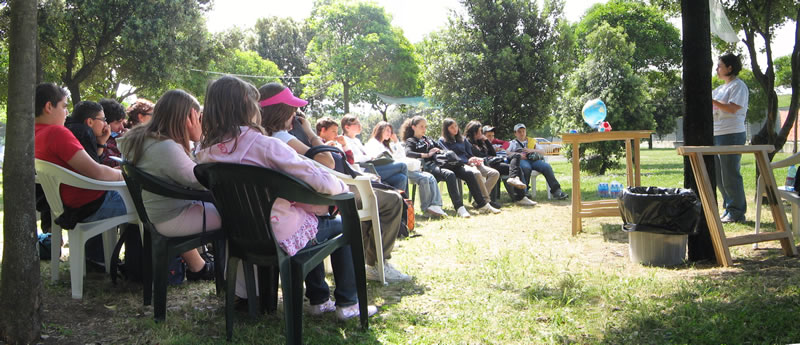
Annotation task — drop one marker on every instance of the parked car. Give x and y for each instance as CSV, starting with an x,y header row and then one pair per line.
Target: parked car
x,y
549,147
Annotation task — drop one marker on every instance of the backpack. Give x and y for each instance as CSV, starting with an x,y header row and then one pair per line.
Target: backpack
x,y
131,267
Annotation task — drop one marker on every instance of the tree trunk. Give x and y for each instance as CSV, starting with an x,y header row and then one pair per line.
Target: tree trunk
x,y
794,105
346,97
20,284
698,128
74,91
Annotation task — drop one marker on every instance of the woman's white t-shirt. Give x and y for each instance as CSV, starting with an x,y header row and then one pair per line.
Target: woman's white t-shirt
x,y
735,92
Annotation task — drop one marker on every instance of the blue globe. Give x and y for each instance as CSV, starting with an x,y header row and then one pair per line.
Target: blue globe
x,y
594,112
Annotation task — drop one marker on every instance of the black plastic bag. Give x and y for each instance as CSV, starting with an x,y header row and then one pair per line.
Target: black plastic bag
x,y
671,211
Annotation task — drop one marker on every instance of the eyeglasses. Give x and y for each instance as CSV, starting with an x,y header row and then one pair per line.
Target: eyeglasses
x,y
100,119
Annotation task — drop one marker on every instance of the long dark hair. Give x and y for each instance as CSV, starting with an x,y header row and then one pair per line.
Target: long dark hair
x,y
169,122
446,134
230,103
377,133
274,117
406,129
471,130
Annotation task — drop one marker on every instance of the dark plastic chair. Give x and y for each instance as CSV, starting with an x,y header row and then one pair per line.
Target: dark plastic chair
x,y
244,196
157,248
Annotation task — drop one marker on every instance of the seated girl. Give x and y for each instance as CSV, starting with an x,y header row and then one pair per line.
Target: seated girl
x,y
383,140
486,177
482,147
394,174
421,147
161,148
232,134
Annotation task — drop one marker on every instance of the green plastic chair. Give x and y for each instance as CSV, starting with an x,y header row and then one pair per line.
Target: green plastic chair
x,y
157,248
244,195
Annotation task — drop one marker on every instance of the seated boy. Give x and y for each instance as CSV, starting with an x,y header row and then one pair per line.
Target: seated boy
x,y
521,144
115,117
54,143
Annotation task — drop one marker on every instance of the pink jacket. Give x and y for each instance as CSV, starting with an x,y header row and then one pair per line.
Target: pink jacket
x,y
294,224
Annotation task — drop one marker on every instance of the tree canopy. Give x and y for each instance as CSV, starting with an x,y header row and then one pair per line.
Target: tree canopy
x,y
499,62
349,53
607,73
138,42
284,42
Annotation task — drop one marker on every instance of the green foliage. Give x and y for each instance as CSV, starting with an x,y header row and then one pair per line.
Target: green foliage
x,y
499,63
96,45
355,52
657,42
3,73
284,42
783,71
606,73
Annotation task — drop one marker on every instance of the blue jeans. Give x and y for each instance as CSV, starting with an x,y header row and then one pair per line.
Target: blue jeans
x,y
112,206
429,194
729,178
541,166
394,174
344,275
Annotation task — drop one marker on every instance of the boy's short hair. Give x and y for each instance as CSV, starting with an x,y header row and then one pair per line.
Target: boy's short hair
x,y
85,110
348,120
48,93
325,123
113,110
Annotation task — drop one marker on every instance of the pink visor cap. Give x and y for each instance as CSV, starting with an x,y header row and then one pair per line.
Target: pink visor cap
x,y
285,97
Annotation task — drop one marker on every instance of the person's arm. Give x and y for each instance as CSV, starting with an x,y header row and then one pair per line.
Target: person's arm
x,y
86,166
102,140
323,158
726,107
490,152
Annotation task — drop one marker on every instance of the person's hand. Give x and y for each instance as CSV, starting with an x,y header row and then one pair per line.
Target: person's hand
x,y
103,138
306,126
434,151
394,137
475,161
341,141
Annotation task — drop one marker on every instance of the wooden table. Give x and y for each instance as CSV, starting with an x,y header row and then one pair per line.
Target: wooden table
x,y
718,238
601,208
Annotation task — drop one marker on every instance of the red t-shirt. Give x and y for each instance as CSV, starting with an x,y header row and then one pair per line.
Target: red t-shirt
x,y
57,145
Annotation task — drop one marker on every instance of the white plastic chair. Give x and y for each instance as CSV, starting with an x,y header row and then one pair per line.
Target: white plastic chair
x,y
791,197
50,177
368,212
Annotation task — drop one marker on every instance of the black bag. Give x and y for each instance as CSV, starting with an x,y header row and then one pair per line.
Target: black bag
x,y
493,161
131,267
72,216
448,159
383,159
534,156
44,246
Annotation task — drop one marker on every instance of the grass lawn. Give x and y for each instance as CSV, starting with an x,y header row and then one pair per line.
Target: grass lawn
x,y
513,278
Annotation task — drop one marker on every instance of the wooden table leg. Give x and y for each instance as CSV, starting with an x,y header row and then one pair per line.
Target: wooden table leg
x,y
637,179
629,162
576,190
721,250
781,223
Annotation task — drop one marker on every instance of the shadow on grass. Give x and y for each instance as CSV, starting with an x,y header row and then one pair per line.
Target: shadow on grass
x,y
613,233
756,303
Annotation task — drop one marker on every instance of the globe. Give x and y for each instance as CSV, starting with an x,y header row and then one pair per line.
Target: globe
x,y
594,112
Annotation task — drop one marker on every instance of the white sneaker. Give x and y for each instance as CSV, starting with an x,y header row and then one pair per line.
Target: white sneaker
x,y
373,274
488,208
462,212
516,183
326,307
436,211
393,275
349,312
525,202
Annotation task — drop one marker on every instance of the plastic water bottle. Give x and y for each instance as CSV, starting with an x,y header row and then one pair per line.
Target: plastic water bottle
x,y
616,189
790,178
602,189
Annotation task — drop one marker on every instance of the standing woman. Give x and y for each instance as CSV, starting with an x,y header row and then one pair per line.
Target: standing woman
x,y
730,108
486,176
382,140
